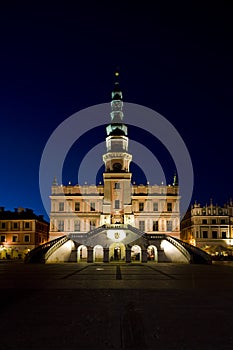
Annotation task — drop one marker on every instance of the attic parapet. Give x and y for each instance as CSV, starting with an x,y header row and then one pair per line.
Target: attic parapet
x,y
155,189
78,190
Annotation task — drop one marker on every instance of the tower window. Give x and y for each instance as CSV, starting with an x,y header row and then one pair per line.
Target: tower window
x,y
117,204
169,206
141,206
117,185
117,166
61,206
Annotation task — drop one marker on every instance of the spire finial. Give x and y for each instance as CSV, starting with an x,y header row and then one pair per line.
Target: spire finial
x,y
116,93
116,74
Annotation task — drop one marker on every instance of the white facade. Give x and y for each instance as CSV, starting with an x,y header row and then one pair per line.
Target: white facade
x,y
151,209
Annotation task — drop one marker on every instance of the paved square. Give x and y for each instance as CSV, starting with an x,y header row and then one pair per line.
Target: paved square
x,y
116,306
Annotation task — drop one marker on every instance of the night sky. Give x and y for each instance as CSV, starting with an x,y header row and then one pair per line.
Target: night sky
x,y
175,58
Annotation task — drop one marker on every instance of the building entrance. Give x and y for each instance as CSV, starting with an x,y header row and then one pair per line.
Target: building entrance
x,y
117,252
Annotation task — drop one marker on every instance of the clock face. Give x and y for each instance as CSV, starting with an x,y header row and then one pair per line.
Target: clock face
x,y
117,166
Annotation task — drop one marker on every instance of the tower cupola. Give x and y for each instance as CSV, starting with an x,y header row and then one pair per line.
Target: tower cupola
x,y
117,127
117,158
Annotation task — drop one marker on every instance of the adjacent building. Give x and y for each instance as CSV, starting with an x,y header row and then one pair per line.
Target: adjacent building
x,y
208,227
21,231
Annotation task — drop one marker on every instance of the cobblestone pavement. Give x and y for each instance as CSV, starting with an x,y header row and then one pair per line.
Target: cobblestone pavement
x,y
116,306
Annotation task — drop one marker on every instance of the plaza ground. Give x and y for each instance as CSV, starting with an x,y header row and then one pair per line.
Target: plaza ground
x,y
116,306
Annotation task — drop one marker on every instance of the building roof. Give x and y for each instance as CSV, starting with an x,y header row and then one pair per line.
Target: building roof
x,y
20,214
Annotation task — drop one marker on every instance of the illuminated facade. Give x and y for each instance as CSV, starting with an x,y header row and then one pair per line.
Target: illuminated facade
x,y
20,232
151,209
115,220
209,225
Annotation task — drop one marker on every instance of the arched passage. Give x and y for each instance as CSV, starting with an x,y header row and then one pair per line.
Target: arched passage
x,y
82,253
136,253
152,253
98,253
116,252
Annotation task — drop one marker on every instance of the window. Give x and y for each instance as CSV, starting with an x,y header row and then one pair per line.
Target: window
x,y
204,221
2,238
27,225
61,206
169,206
169,225
92,205
155,206
14,238
117,185
26,238
3,225
15,225
92,225
224,235
77,225
142,225
77,206
223,221
117,204
214,234
205,234
155,225
60,225
141,206
214,221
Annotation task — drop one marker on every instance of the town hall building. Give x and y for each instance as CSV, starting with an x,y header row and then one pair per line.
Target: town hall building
x,y
151,209
116,220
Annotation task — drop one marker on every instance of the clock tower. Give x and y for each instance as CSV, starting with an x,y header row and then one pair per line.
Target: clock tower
x,y
117,176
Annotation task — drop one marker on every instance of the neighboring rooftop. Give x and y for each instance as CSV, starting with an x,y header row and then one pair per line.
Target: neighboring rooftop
x,y
20,213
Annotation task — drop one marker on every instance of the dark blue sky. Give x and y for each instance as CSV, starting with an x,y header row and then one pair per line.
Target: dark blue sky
x,y
58,59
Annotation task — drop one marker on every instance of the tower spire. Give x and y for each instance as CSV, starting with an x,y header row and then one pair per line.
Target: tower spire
x,y
117,126
116,93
